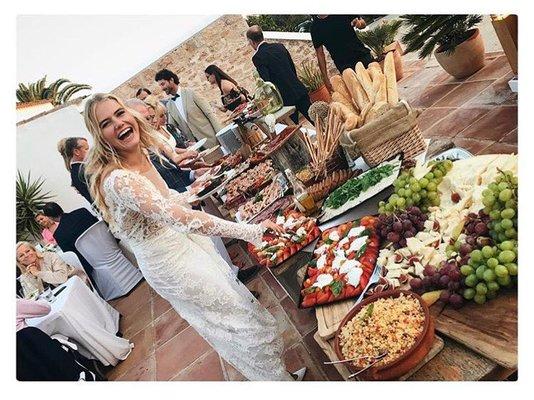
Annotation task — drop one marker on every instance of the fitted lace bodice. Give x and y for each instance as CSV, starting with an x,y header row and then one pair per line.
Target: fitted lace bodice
x,y
139,211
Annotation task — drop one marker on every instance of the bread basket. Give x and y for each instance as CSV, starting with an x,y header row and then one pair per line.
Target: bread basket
x,y
394,132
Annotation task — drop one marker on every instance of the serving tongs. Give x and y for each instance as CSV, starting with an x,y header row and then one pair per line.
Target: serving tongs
x,y
369,366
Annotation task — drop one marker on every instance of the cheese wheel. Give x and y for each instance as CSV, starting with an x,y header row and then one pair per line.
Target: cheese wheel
x,y
391,79
357,93
365,81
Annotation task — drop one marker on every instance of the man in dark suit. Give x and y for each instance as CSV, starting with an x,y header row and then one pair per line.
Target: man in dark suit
x,y
71,226
274,64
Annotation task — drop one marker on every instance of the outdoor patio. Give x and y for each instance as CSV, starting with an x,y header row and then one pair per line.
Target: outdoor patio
x,y
478,114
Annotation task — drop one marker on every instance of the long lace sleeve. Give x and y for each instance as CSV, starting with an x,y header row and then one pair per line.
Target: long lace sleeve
x,y
138,194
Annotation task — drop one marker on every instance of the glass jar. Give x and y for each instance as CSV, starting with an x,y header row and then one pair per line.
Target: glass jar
x,y
267,97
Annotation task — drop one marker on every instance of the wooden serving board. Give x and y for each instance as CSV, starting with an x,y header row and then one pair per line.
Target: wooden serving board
x,y
328,348
330,316
489,329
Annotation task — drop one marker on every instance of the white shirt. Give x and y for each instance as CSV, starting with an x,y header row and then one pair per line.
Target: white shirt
x,y
180,104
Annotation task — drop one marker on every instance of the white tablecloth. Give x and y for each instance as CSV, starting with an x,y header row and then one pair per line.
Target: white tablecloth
x,y
87,320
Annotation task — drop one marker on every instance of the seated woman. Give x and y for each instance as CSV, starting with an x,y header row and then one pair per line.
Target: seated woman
x,y
232,95
49,227
38,269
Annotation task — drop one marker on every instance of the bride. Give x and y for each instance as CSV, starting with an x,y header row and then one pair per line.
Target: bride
x,y
171,243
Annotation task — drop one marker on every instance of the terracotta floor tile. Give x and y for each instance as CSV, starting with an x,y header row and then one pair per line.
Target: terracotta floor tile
x,y
129,304
297,357
206,368
232,374
303,319
431,116
178,353
267,298
500,148
496,94
159,306
455,122
444,77
494,125
133,323
494,69
510,138
167,326
463,93
144,371
474,146
320,357
144,346
289,334
273,284
422,77
431,94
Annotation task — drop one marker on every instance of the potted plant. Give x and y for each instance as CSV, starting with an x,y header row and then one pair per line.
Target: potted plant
x,y
30,199
381,40
456,43
312,79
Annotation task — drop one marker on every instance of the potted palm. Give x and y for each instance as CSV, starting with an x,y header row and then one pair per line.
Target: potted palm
x,y
381,40
312,79
30,199
454,39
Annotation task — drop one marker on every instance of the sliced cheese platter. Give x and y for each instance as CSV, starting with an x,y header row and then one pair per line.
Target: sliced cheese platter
x,y
360,188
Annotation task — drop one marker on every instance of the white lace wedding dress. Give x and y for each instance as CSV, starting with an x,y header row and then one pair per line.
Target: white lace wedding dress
x,y
185,269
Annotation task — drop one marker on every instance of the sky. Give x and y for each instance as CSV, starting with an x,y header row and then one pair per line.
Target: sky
x,y
102,51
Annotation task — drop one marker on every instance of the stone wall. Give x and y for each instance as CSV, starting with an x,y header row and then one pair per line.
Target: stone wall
x,y
222,43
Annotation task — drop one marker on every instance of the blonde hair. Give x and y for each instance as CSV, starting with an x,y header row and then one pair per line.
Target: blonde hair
x,y
21,267
66,147
102,157
157,106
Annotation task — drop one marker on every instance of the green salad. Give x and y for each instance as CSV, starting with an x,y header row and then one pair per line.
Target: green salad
x,y
354,187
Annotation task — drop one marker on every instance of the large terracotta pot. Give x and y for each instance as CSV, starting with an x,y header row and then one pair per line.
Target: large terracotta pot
x,y
321,94
467,58
397,59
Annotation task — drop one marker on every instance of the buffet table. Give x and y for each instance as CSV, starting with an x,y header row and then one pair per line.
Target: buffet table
x,y
86,319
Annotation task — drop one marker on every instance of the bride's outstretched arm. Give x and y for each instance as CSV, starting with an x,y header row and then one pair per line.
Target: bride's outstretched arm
x,y
133,192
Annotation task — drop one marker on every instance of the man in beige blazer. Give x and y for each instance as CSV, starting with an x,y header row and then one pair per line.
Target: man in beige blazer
x,y
187,111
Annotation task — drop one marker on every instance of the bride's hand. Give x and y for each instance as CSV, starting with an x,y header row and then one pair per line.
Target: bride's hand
x,y
268,224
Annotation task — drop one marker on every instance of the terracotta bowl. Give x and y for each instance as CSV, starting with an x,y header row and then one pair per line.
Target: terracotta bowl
x,y
407,361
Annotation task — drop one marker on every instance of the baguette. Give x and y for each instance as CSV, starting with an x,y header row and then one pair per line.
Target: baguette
x,y
391,79
365,80
340,110
381,92
356,90
351,122
339,87
364,113
347,102
374,65
377,110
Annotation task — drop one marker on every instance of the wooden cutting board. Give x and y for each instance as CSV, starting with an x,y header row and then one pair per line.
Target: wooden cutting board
x,y
330,316
489,329
328,348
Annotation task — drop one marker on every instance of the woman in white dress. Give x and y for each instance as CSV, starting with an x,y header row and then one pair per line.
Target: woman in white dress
x,y
170,242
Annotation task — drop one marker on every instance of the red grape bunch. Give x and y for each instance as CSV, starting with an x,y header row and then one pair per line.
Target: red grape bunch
x,y
448,277
397,227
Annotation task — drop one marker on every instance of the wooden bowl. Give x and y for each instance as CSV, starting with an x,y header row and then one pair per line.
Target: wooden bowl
x,y
411,357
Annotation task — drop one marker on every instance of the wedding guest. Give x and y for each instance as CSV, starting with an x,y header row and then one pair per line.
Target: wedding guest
x,y
30,309
70,228
187,111
337,34
49,227
274,64
142,93
232,95
74,150
38,269
167,131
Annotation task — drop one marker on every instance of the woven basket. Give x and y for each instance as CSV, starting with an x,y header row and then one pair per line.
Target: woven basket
x,y
410,144
392,133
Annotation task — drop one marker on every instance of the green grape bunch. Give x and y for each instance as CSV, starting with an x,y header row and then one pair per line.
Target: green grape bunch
x,y
421,193
500,203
